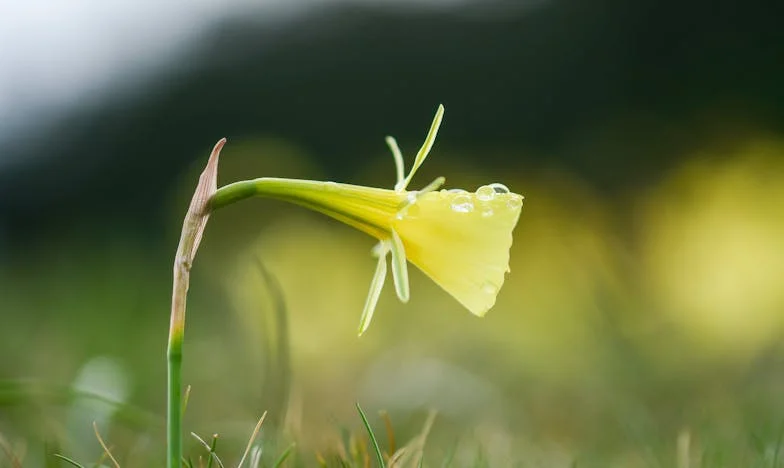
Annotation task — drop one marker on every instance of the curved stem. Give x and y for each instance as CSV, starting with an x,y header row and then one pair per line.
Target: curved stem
x,y
192,230
367,209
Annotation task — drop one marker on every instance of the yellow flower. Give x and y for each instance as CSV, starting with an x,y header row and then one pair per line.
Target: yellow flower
x,y
459,239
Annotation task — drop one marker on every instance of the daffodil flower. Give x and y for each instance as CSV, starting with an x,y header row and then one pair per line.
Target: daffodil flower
x,y
460,239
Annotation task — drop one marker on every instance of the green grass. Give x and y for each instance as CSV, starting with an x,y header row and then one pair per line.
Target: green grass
x,y
362,444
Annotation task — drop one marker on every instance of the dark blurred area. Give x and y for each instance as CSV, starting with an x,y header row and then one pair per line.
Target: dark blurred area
x,y
644,304
518,74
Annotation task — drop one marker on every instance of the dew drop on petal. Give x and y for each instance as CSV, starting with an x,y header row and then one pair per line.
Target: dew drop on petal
x,y
487,212
485,193
456,190
514,202
462,203
499,188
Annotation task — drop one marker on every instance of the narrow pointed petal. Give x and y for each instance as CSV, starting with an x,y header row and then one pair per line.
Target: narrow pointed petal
x,y
399,267
432,186
398,156
426,146
375,292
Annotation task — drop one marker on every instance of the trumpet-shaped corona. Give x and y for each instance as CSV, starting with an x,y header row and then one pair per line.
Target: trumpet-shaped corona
x,y
459,239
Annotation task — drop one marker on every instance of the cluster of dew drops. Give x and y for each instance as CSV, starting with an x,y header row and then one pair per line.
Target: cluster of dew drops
x,y
464,201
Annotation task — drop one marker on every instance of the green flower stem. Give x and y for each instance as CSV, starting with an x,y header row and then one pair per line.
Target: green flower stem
x,y
292,190
192,230
364,208
173,401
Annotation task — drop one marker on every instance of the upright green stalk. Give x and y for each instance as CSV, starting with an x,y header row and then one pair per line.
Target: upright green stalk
x,y
174,407
192,230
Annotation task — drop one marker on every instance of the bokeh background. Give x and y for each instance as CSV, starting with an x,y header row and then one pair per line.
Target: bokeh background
x,y
642,321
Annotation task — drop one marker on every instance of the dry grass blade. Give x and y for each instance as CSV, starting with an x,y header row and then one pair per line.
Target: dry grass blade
x,y
185,398
404,455
15,462
390,431
397,457
253,436
105,448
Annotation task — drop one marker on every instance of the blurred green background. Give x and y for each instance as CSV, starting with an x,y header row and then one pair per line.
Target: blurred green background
x,y
644,314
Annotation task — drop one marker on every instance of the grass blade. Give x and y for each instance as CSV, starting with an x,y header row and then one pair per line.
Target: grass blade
x,y
283,456
185,398
6,447
105,448
372,436
68,460
209,449
212,449
392,443
252,438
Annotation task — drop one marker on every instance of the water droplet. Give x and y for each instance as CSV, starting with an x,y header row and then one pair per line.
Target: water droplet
x,y
485,193
487,212
499,188
462,203
456,190
515,202
489,288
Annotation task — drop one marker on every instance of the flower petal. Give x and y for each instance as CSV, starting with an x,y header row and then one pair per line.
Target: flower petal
x,y
375,291
425,149
399,267
461,240
398,156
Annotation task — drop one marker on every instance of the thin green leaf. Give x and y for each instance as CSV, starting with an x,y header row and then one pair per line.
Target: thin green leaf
x,y
372,436
209,449
68,460
283,456
212,449
450,456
